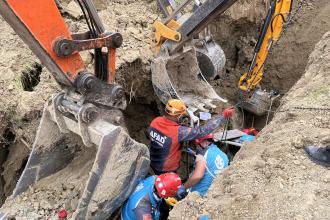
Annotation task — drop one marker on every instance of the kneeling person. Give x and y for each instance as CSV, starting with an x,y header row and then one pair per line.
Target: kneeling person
x,y
144,202
210,160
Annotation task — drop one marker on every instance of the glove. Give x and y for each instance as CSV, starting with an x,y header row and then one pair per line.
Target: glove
x,y
228,113
171,201
181,193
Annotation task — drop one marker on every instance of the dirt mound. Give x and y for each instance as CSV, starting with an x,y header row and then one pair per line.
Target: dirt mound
x,y
235,31
61,190
272,178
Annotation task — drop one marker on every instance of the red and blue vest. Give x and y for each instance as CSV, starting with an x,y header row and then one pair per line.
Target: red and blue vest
x,y
165,152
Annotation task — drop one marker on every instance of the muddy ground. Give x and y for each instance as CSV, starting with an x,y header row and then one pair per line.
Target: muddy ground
x,y
236,32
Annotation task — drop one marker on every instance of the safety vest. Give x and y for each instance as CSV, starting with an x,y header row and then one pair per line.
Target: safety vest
x,y
143,189
216,160
165,152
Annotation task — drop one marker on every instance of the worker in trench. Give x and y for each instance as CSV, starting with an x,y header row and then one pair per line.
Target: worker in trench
x,y
209,162
144,202
166,134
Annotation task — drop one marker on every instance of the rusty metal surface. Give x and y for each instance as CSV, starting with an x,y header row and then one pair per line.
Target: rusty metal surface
x,y
66,47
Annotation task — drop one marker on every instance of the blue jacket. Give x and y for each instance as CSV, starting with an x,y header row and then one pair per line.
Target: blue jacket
x,y
142,203
216,160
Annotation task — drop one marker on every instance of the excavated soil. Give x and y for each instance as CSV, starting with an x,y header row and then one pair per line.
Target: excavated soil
x,y
236,32
288,58
272,178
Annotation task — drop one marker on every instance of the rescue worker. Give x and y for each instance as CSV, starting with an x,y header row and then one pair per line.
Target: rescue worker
x,y
320,155
144,202
209,161
166,134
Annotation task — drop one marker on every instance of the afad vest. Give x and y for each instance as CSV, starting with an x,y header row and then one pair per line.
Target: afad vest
x,y
165,153
144,188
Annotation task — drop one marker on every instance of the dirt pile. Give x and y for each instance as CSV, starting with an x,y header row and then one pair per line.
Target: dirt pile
x,y
20,110
56,192
272,178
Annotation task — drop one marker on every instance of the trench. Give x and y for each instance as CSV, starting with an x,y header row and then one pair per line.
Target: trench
x,y
237,40
12,162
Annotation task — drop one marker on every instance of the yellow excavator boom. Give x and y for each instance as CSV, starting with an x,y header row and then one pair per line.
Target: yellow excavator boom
x,y
277,15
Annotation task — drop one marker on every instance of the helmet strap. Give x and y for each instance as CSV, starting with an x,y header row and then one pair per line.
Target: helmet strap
x,y
155,193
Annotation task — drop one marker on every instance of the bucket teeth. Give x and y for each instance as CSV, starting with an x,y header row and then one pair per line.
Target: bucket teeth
x,y
119,164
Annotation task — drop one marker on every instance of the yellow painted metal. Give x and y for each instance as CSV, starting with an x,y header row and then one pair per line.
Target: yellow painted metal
x,y
164,32
248,81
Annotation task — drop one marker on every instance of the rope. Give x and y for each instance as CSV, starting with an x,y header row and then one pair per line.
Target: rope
x,y
225,131
295,107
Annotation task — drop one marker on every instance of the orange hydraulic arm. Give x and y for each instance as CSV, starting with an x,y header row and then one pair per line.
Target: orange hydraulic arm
x,y
277,15
41,26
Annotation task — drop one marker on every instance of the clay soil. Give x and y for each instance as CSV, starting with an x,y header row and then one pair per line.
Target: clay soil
x,y
269,179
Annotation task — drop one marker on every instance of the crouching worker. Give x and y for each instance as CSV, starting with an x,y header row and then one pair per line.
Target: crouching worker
x,y
209,161
144,202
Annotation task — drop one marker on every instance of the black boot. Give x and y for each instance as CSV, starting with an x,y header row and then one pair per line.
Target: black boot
x,y
320,155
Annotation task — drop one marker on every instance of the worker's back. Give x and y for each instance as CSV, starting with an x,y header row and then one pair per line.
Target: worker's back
x,y
216,160
143,191
164,147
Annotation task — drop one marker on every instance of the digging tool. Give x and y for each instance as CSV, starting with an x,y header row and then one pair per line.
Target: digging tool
x,y
185,63
253,98
89,106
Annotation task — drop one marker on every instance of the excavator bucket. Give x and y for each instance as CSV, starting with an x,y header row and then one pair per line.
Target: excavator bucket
x,y
183,75
184,66
119,164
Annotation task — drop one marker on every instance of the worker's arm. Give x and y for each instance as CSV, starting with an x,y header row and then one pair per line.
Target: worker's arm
x,y
188,134
198,173
143,210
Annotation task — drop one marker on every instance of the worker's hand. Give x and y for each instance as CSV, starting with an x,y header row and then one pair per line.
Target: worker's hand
x,y
228,113
181,193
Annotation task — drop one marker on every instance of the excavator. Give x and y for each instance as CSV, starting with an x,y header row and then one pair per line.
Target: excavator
x,y
252,97
89,105
187,57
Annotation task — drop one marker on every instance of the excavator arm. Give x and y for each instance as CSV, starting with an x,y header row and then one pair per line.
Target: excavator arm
x,y
186,54
89,106
276,17
256,100
51,41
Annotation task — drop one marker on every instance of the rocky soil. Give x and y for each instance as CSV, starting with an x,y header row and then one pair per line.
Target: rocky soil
x,y
272,178
236,31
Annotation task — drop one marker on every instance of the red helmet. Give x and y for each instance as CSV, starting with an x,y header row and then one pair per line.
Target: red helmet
x,y
167,184
200,140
